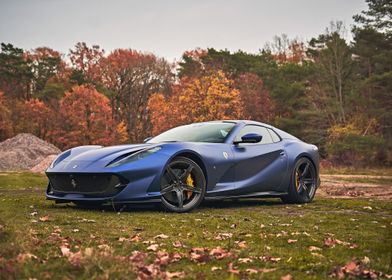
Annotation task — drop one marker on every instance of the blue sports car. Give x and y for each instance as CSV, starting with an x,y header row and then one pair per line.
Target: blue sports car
x,y
187,164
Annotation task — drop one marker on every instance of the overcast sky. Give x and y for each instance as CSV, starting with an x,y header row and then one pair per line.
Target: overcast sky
x,y
167,28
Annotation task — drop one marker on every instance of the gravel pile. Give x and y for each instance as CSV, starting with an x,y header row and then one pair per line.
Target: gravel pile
x,y
24,152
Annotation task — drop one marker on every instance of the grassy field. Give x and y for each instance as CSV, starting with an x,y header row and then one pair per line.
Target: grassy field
x,y
251,239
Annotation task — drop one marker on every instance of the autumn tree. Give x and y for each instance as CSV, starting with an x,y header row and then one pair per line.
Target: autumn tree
x,y
132,77
50,75
34,116
201,99
85,118
86,62
256,100
286,50
5,118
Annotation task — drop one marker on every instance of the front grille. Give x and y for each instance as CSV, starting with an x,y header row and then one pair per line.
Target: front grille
x,y
90,184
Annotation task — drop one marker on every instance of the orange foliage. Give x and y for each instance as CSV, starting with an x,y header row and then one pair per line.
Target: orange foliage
x,y
196,100
133,77
88,60
85,118
35,117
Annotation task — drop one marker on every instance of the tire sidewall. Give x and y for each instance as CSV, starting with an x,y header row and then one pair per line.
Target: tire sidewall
x,y
170,207
293,193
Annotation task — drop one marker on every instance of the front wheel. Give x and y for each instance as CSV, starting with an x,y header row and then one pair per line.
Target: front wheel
x,y
183,185
303,182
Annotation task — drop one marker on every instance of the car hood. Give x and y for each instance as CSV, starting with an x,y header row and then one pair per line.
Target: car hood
x,y
104,153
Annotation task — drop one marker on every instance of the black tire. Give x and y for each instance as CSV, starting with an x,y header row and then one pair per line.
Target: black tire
x,y
177,193
303,182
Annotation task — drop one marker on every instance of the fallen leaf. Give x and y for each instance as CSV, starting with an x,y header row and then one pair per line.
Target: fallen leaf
x,y
177,244
314,248
136,238
23,257
231,269
153,247
44,218
245,260
241,244
223,236
220,253
178,274
65,250
286,277
365,260
161,236
269,259
263,235
199,255
215,268
76,259
290,241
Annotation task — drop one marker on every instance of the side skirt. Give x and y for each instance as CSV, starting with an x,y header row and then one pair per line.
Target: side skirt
x,y
249,195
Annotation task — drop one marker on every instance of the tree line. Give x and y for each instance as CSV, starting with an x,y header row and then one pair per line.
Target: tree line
x,y
327,91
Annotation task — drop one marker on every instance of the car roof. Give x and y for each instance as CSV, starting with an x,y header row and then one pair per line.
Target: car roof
x,y
281,133
245,122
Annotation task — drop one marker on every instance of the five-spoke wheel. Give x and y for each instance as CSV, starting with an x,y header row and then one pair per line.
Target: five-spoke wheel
x,y
303,182
182,185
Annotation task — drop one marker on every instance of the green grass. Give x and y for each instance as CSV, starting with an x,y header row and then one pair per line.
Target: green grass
x,y
366,223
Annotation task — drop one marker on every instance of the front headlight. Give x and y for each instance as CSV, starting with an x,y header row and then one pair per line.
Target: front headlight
x,y
60,158
134,157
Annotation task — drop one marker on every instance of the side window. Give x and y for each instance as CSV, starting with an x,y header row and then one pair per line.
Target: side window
x,y
274,136
267,139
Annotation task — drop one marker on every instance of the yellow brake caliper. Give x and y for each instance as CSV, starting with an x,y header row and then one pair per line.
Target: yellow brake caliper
x,y
189,182
296,180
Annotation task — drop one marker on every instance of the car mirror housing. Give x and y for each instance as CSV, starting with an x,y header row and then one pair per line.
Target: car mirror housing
x,y
250,138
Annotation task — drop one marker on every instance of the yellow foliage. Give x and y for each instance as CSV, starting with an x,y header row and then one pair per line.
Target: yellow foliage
x,y
121,133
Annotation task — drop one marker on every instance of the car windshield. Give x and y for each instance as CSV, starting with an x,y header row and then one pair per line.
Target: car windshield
x,y
197,132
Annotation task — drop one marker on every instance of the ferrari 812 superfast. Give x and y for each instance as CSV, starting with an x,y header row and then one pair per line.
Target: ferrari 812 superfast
x,y
188,164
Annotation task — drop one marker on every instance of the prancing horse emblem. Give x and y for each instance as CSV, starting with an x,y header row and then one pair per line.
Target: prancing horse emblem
x,y
74,166
73,183
225,155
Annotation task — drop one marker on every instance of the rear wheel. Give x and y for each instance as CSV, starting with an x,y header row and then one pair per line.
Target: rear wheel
x,y
182,185
303,182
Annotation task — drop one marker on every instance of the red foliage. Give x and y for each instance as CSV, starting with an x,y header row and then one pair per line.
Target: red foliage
x,y
85,118
88,60
5,118
35,117
256,100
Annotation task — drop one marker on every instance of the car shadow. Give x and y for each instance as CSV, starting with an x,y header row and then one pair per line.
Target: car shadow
x,y
239,203
205,205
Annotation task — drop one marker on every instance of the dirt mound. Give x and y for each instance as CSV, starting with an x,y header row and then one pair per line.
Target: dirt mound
x,y
24,151
43,165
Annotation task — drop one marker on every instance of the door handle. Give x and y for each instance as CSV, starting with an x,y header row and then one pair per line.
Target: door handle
x,y
282,153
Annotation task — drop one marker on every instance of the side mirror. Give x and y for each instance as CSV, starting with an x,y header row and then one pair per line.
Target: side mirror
x,y
147,139
250,138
